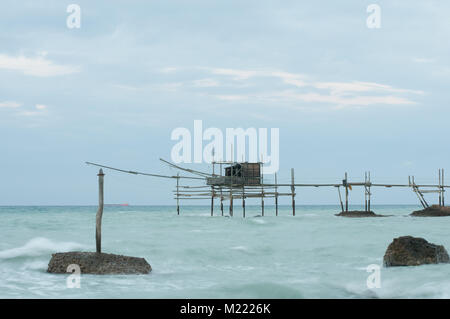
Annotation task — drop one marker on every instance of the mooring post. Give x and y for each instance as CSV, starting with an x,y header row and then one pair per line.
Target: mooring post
x,y
293,192
276,195
98,219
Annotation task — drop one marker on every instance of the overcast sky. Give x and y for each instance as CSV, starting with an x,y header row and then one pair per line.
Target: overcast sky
x,y
345,97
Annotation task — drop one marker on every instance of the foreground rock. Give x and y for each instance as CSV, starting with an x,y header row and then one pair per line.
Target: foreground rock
x,y
413,251
433,211
98,263
359,213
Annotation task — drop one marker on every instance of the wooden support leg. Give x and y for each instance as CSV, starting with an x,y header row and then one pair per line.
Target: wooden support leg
x,y
262,203
243,202
293,191
98,219
212,202
276,196
346,193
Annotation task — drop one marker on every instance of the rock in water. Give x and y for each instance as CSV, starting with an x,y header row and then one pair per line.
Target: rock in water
x,y
98,263
358,213
433,211
413,251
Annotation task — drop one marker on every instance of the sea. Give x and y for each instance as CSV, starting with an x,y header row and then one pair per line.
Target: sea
x,y
314,254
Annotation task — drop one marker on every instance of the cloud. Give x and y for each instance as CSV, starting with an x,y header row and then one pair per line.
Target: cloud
x,y
205,83
41,106
10,104
275,87
241,75
169,70
29,113
423,60
341,88
35,66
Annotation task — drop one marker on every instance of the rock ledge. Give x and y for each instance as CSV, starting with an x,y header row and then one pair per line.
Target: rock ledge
x,y
413,251
359,213
433,211
98,263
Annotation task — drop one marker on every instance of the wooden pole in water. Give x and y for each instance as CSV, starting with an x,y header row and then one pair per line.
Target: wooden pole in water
x,y
346,193
98,219
293,191
276,196
212,201
221,200
262,201
243,201
443,190
231,191
178,193
365,192
370,193
340,198
212,187
440,188
221,194
262,186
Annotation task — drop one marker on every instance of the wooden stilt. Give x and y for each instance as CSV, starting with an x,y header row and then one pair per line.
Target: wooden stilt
x,y
98,219
178,193
231,192
262,186
243,201
440,189
276,195
262,202
231,205
370,193
346,192
365,192
212,201
340,198
293,191
443,190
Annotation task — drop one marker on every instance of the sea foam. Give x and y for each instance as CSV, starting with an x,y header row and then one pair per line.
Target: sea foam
x,y
38,246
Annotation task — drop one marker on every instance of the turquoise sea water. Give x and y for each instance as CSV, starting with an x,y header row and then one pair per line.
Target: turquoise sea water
x,y
312,255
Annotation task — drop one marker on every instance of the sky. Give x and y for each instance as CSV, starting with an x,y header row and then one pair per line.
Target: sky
x,y
345,97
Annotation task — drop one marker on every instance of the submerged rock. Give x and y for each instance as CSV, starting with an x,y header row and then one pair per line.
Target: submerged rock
x,y
413,251
433,211
98,263
359,213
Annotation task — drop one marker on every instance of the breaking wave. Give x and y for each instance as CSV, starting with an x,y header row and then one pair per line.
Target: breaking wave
x,y
38,246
